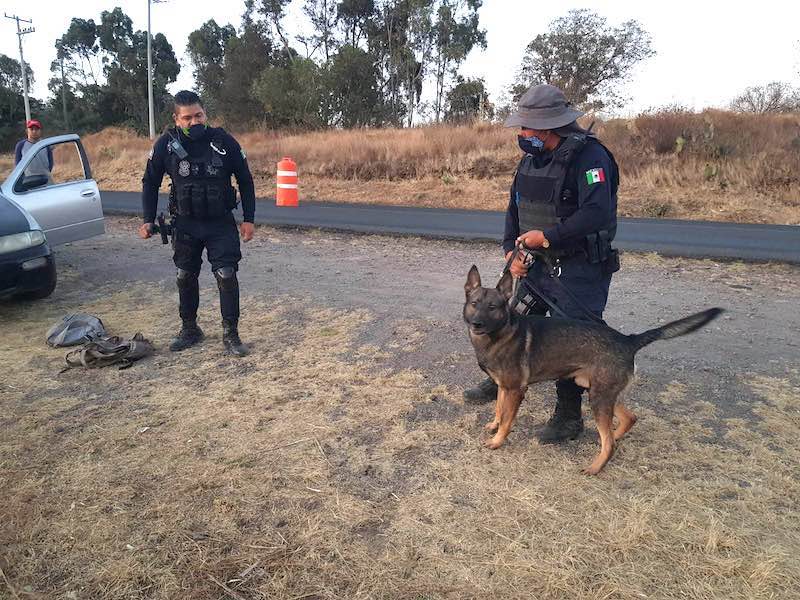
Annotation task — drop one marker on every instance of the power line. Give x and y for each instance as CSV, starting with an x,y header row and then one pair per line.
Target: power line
x,y
20,33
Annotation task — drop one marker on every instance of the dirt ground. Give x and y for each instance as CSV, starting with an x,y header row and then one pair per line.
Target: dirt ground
x,y
338,461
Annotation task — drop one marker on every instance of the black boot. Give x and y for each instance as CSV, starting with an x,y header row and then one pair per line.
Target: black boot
x,y
189,335
485,391
230,338
567,421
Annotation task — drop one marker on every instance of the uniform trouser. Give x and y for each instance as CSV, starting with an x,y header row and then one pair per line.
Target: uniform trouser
x,y
590,285
220,238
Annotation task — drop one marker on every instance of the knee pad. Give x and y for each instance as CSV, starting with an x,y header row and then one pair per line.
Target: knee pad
x,y
226,279
186,279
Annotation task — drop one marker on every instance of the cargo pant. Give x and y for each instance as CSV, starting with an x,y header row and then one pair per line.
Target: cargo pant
x,y
220,238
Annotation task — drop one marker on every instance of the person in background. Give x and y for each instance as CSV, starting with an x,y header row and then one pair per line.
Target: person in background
x,y
42,164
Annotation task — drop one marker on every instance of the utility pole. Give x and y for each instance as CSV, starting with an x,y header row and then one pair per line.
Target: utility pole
x,y
64,95
20,33
150,78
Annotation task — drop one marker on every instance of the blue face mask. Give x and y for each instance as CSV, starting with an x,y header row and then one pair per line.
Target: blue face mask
x,y
195,132
530,145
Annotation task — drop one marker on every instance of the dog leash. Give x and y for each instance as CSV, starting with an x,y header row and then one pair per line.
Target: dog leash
x,y
528,259
530,256
577,302
554,272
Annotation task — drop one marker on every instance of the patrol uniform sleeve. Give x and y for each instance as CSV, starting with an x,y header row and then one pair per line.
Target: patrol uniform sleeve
x,y
512,221
153,176
244,179
596,201
18,152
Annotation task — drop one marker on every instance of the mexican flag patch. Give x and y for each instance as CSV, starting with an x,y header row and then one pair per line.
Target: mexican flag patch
x,y
595,176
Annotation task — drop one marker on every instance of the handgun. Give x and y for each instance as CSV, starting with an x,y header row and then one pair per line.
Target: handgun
x,y
164,228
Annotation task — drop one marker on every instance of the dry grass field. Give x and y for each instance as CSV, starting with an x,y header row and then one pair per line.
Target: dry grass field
x,y
713,165
320,467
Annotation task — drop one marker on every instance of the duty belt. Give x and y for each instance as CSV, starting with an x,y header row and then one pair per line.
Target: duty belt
x,y
565,252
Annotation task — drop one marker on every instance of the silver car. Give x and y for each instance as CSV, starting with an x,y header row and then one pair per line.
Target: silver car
x,y
41,208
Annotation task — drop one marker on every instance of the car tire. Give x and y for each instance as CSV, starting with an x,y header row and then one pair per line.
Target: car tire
x,y
46,289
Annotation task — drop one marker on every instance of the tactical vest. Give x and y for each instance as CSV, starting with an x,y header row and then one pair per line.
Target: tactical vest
x,y
542,199
201,185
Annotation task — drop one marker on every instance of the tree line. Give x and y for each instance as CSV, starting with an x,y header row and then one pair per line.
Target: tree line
x,y
362,63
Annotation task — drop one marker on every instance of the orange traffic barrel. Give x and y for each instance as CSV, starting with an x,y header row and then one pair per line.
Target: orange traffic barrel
x,y
287,183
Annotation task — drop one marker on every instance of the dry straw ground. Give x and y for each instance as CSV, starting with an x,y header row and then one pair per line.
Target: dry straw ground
x,y
712,165
312,469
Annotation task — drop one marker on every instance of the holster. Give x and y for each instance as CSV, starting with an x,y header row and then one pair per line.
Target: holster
x,y
599,251
612,264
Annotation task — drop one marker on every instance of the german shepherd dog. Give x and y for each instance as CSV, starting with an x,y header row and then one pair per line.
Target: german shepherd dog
x,y
516,351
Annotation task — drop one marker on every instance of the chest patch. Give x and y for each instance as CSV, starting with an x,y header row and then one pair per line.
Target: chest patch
x,y
184,168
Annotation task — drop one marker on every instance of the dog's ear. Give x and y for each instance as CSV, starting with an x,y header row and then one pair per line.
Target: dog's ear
x,y
473,280
506,285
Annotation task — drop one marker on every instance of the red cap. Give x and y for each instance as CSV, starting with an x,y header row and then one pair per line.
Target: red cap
x,y
33,123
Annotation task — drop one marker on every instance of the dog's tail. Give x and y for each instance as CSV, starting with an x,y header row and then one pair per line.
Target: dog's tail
x,y
676,328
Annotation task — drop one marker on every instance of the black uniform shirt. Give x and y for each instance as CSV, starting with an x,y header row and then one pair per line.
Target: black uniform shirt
x,y
234,161
591,179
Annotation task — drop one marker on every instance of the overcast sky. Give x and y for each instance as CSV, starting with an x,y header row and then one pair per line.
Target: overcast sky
x,y
707,51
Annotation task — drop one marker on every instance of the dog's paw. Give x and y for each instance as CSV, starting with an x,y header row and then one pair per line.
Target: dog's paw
x,y
492,426
494,443
592,470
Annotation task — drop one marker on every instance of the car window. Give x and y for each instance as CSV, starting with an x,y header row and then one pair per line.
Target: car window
x,y
53,165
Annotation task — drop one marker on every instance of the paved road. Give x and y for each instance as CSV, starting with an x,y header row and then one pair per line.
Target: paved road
x,y
665,236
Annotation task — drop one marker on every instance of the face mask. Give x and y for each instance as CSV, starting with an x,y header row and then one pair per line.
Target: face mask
x,y
195,132
530,145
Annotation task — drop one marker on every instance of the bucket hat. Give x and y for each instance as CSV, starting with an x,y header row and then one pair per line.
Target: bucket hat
x,y
543,106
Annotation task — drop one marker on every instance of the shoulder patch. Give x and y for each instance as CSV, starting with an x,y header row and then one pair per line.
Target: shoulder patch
x,y
243,153
150,154
595,176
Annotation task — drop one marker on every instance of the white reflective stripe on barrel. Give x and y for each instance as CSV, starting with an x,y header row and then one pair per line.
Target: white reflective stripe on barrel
x,y
287,173
288,186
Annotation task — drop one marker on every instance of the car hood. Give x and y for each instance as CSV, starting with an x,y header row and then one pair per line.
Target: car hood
x,y
12,218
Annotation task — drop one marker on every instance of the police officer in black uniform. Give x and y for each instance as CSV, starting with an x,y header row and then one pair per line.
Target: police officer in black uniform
x,y
563,203
200,161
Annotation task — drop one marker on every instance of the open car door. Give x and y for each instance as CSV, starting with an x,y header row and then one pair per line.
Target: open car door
x,y
53,183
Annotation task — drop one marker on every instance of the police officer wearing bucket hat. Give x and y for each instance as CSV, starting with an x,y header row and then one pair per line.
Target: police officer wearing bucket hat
x,y
564,204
